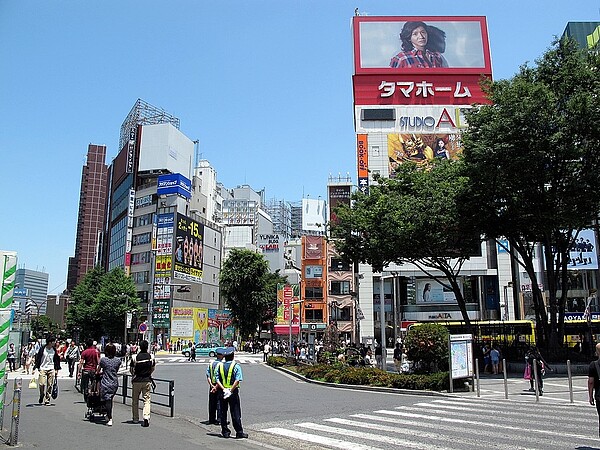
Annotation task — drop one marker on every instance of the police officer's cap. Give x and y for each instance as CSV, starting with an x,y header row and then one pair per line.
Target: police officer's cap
x,y
229,351
220,351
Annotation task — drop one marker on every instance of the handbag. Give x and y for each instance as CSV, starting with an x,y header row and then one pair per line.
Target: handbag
x,y
527,374
33,383
55,389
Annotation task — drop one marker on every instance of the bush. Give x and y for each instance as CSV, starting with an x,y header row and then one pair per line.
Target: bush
x,y
276,361
368,376
427,347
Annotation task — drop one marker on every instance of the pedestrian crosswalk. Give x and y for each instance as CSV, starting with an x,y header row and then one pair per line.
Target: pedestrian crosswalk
x,y
203,360
452,423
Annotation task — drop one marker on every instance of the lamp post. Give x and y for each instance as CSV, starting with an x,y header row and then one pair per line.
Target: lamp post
x,y
292,303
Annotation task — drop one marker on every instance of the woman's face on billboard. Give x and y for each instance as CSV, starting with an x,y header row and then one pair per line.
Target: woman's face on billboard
x,y
418,38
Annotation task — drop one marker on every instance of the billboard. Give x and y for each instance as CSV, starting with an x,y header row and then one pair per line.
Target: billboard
x,y
421,45
430,291
420,60
287,293
582,254
338,195
189,237
174,183
421,148
201,325
314,215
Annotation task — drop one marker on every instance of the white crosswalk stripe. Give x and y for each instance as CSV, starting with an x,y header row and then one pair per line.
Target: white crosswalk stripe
x,y
453,423
184,360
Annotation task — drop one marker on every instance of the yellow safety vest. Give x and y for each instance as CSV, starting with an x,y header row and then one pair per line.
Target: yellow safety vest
x,y
212,371
226,380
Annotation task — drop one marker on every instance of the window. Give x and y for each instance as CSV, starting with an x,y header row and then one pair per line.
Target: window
x,y
337,264
340,288
313,292
313,315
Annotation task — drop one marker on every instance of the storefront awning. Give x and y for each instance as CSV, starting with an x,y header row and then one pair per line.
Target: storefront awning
x,y
285,329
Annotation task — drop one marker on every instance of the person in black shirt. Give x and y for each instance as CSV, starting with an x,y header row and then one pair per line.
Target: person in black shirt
x,y
142,367
594,384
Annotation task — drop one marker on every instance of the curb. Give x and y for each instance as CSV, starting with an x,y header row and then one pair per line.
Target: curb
x,y
361,387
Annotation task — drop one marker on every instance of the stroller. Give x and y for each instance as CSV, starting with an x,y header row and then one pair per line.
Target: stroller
x,y
94,400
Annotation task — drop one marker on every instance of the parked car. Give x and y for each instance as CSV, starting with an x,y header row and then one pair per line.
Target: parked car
x,y
202,349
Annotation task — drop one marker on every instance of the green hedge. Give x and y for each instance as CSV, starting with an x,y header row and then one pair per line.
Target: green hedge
x,y
338,373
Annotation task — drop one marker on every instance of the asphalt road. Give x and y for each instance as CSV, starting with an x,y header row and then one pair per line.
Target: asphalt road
x,y
281,411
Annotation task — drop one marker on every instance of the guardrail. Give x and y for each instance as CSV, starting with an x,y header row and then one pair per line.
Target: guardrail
x,y
163,391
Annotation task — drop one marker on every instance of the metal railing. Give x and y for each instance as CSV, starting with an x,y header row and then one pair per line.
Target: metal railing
x,y
163,391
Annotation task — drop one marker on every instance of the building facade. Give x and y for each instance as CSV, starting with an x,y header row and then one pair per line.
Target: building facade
x,y
90,219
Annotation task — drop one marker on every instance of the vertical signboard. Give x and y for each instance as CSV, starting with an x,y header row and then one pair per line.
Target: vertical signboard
x,y
189,237
338,195
362,153
460,356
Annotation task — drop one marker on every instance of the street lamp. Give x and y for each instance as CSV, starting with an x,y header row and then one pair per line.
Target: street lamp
x,y
292,303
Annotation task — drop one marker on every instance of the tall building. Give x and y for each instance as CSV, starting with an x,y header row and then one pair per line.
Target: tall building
x,y
36,284
411,109
587,34
157,227
90,220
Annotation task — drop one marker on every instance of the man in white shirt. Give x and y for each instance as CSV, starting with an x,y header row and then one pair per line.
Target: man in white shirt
x,y
47,362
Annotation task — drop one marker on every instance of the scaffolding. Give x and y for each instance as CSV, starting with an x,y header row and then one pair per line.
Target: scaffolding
x,y
144,113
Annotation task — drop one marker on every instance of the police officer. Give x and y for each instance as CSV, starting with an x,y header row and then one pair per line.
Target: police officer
x,y
229,376
213,392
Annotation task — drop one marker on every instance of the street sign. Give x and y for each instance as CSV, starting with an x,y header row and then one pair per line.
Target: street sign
x,y
143,327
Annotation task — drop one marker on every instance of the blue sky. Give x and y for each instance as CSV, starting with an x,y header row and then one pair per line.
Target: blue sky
x,y
264,85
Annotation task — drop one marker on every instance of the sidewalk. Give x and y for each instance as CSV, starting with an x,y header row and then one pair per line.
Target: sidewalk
x,y
62,425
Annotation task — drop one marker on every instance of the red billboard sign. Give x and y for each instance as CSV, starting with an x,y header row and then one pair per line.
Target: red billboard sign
x,y
420,60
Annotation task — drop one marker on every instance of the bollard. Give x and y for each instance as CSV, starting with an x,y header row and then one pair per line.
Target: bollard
x,y
16,412
172,397
570,380
535,381
505,379
477,376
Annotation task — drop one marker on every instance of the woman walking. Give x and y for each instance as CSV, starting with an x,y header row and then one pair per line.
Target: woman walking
x,y
108,368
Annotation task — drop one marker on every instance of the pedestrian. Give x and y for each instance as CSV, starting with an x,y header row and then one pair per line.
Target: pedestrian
x,y
266,350
25,357
31,357
11,356
398,357
533,355
379,355
47,362
141,368
229,377
368,359
193,352
214,415
88,364
72,355
594,384
487,360
109,382
495,359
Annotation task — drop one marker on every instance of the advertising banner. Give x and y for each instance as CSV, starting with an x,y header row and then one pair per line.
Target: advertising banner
x,y
362,153
270,243
430,291
338,195
313,247
428,119
214,326
421,148
287,293
313,215
174,183
189,237
421,44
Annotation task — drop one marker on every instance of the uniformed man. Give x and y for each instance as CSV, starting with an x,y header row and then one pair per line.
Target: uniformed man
x,y
213,388
229,377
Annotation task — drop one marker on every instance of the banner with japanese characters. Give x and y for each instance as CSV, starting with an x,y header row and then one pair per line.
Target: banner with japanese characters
x,y
189,237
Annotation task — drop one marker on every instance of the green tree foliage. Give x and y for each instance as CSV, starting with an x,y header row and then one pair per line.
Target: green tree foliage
x,y
42,325
532,159
427,346
100,302
413,217
250,291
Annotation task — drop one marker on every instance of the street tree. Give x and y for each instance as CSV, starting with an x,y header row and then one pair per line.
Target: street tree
x,y
248,289
99,303
411,218
532,159
42,326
